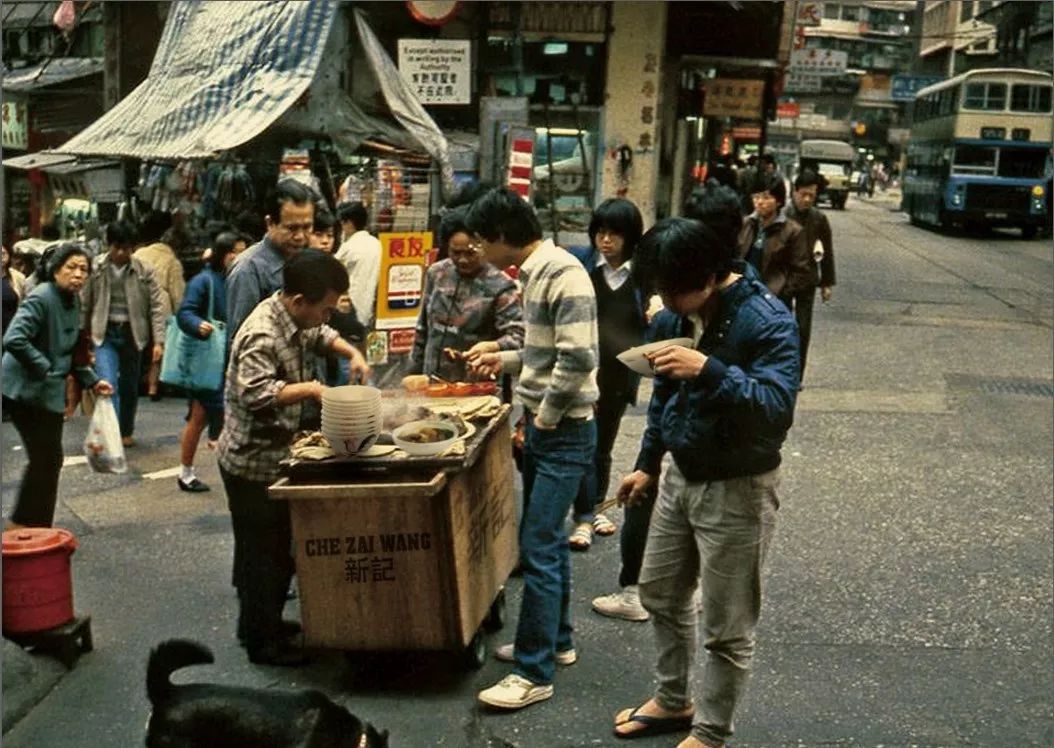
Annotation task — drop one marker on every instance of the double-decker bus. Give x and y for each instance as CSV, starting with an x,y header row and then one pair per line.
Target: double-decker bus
x,y
980,151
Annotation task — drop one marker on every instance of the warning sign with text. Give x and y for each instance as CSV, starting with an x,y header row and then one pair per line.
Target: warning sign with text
x,y
438,70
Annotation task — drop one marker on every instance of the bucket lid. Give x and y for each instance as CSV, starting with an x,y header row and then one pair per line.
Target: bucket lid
x,y
26,541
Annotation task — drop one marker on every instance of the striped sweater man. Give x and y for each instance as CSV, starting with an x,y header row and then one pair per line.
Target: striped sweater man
x,y
558,364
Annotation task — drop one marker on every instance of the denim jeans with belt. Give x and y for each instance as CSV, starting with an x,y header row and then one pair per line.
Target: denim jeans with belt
x,y
554,463
715,536
118,361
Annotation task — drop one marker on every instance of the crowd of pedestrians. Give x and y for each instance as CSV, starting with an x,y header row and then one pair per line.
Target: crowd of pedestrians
x,y
295,307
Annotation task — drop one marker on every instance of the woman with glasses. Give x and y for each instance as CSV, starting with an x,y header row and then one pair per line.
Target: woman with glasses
x,y
468,306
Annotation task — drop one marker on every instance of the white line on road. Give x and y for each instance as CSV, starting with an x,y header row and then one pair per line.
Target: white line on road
x,y
75,460
166,473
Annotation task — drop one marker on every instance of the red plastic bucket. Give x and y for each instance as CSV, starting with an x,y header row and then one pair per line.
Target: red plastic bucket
x,y
38,587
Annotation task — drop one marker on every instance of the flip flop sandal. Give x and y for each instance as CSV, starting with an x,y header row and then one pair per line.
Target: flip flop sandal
x,y
581,538
603,527
653,725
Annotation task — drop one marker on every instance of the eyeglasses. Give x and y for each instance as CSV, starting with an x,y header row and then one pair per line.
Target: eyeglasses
x,y
471,250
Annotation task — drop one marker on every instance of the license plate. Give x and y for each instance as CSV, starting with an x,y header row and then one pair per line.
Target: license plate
x,y
992,214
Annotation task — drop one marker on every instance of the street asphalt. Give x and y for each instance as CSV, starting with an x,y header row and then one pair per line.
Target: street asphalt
x,y
909,589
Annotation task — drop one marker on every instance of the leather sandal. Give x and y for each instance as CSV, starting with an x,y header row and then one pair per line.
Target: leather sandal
x,y
582,537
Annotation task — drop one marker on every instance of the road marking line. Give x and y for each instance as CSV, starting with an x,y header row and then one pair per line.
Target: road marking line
x,y
158,474
75,460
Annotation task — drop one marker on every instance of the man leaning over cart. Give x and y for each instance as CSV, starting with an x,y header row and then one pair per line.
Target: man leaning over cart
x,y
269,378
557,367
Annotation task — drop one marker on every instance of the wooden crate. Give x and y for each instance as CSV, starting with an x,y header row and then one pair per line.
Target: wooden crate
x,y
405,562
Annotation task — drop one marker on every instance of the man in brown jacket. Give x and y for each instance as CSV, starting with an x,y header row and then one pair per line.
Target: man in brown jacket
x,y
816,229
774,244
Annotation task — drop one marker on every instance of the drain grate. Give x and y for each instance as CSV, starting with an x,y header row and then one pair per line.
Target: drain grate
x,y
996,386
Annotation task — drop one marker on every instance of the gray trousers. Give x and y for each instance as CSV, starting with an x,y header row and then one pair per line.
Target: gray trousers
x,y
712,537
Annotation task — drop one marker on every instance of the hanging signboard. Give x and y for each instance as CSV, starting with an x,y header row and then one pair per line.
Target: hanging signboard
x,y
733,97
802,83
14,128
788,109
904,87
821,62
809,14
438,70
404,258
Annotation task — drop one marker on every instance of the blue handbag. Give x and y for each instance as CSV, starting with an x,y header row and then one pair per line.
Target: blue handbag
x,y
193,363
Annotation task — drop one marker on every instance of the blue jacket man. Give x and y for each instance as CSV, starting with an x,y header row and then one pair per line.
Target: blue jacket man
x,y
721,408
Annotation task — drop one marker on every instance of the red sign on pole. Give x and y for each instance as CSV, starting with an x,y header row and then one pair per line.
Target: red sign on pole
x,y
788,109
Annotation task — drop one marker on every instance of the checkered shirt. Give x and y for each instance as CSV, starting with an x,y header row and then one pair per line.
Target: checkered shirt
x,y
268,352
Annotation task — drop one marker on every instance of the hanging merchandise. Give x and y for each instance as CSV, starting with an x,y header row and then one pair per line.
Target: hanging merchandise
x,y
227,190
296,164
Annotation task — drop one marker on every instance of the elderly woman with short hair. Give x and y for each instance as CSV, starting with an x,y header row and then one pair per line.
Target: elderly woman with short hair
x,y
39,350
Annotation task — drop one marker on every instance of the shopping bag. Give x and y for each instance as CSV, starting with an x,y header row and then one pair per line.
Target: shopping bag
x,y
192,363
102,445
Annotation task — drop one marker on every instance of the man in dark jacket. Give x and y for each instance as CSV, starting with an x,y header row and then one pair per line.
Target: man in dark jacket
x,y
817,229
721,408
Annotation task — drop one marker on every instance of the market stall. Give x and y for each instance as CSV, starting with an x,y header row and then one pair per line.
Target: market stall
x,y
400,552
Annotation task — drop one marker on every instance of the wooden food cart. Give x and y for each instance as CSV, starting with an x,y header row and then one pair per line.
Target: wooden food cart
x,y
405,553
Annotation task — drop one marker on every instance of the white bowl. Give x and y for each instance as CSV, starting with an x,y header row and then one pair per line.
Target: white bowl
x,y
431,448
636,358
351,393
345,442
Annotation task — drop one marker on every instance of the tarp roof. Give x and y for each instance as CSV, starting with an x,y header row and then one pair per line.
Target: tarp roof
x,y
223,72
226,71
50,72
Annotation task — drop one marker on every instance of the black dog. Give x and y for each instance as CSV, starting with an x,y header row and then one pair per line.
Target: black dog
x,y
204,715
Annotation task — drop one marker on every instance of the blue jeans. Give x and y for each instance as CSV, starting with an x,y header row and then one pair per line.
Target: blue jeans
x,y
117,361
554,464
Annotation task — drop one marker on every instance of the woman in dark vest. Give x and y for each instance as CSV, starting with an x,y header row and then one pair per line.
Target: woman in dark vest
x,y
614,232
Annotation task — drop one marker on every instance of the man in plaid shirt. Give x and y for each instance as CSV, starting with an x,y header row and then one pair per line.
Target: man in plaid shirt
x,y
270,376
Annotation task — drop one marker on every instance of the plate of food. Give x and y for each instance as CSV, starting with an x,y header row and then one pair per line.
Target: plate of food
x,y
425,437
636,358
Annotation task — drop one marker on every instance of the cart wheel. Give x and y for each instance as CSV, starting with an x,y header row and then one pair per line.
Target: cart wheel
x,y
475,654
497,615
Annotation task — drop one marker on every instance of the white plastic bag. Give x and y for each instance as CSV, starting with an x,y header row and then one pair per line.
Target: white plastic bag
x,y
103,445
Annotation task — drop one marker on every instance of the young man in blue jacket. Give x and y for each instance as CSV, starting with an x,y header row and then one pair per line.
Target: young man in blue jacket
x,y
721,408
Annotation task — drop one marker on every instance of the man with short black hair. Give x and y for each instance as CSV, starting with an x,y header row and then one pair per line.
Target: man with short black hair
x,y
124,309
721,408
817,229
257,272
361,254
270,377
557,367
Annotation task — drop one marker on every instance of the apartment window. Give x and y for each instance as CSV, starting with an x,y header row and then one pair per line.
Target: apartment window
x,y
966,11
1025,98
987,96
831,10
850,12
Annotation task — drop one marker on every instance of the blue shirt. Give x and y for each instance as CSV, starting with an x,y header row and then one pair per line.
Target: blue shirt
x,y
255,276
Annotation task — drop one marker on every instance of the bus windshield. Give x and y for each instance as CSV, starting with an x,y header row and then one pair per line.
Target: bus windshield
x,y
1022,163
974,159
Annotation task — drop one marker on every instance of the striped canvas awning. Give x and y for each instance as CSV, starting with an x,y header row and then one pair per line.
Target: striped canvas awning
x,y
223,73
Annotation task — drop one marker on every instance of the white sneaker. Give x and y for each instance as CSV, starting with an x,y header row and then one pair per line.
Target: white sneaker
x,y
514,692
625,605
506,653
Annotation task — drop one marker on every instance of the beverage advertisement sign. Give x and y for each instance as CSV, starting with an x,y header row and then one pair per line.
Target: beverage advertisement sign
x,y
404,258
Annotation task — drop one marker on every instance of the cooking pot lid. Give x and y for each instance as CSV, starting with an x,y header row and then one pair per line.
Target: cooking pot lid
x,y
26,541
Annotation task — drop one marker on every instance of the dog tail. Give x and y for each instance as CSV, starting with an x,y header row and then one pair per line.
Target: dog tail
x,y
165,659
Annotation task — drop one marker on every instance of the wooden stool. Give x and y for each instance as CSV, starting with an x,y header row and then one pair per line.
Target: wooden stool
x,y
65,642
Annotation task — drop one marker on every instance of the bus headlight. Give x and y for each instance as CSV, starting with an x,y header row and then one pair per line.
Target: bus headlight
x,y
1037,191
957,198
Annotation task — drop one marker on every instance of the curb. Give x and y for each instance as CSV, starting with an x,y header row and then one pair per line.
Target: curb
x,y
27,679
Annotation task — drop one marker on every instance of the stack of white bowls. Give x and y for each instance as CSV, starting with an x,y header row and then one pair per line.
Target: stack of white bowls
x,y
351,418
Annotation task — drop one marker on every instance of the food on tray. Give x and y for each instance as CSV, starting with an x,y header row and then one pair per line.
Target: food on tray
x,y
415,382
461,389
426,435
